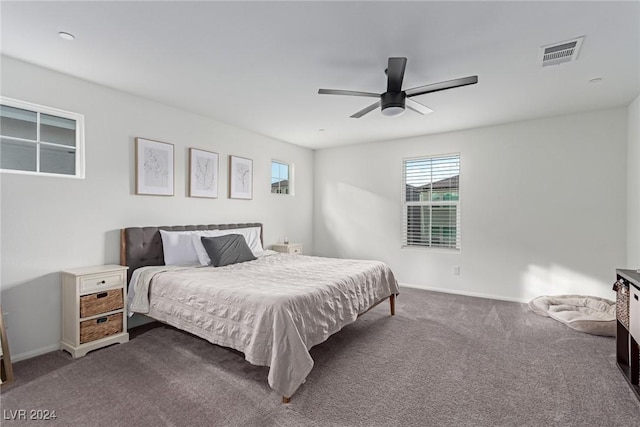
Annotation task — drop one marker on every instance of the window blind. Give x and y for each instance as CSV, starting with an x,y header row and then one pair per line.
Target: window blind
x,y
431,202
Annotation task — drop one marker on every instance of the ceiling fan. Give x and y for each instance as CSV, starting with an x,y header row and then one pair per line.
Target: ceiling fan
x,y
394,100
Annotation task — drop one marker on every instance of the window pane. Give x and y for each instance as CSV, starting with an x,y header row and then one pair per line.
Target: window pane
x,y
417,174
444,226
57,160
17,155
418,218
432,226
284,171
18,123
412,194
279,178
445,189
57,130
432,179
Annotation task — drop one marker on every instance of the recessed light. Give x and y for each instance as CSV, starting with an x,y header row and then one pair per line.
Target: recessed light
x,y
66,36
596,80
321,130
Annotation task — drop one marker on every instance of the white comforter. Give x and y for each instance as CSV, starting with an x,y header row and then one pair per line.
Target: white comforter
x,y
273,309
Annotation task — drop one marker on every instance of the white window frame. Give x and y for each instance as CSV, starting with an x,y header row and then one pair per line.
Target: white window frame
x,y
291,177
406,204
40,109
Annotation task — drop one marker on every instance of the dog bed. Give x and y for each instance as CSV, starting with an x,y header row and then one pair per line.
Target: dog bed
x,y
588,314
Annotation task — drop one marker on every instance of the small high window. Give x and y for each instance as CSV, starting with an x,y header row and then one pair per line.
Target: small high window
x,y
40,140
281,177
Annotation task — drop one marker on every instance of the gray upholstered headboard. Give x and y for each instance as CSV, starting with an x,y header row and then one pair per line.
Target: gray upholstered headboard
x,y
142,246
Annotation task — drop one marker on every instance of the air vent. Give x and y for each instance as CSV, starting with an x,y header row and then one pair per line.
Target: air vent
x,y
558,53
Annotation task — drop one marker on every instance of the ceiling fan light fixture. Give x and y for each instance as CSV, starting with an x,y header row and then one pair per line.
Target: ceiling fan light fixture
x,y
392,111
392,103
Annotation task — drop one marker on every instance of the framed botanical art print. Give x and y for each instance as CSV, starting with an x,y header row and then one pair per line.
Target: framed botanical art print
x,y
203,173
154,167
240,178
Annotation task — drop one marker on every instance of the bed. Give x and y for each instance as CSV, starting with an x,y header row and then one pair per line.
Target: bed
x,y
273,309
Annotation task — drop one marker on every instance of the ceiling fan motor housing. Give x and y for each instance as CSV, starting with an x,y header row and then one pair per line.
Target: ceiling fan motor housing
x,y
392,99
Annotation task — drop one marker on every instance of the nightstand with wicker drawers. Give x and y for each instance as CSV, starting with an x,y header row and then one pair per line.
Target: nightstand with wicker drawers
x,y
94,314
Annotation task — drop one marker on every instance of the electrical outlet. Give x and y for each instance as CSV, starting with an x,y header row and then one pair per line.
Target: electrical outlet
x,y
456,270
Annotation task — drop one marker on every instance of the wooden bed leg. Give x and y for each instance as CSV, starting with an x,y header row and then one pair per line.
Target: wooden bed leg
x,y
392,303
286,399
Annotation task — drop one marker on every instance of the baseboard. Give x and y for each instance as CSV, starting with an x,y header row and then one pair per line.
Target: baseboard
x,y
34,353
141,324
465,293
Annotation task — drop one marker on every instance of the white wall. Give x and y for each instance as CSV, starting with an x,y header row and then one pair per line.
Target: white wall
x,y
50,224
542,207
633,186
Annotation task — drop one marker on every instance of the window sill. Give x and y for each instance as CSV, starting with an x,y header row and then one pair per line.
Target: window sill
x,y
430,249
43,174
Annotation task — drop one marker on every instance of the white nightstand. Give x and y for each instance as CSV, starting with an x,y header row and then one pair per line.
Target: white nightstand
x,y
94,314
289,248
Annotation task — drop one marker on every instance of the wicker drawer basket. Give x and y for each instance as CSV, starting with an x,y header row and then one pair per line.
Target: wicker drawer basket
x,y
94,329
101,302
622,302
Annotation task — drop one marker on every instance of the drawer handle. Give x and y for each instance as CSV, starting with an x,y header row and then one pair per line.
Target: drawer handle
x,y
102,294
635,296
101,320
102,282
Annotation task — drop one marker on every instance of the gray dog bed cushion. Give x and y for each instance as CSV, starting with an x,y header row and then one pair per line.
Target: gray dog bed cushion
x,y
589,314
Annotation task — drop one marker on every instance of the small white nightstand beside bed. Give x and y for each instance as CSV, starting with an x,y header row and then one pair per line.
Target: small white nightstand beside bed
x,y
289,248
93,311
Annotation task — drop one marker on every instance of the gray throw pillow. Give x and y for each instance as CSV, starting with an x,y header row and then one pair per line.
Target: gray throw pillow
x,y
227,249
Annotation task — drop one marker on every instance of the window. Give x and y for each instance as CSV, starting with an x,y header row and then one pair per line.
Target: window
x,y
281,178
431,202
40,140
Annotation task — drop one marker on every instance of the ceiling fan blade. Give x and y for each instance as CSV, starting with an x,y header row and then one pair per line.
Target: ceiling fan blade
x,y
435,87
364,111
417,107
347,92
395,74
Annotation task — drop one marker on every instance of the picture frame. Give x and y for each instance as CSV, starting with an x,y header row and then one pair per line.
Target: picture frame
x,y
154,167
240,178
203,173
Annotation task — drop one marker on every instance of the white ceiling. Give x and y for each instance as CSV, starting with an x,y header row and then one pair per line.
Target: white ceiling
x,y
259,65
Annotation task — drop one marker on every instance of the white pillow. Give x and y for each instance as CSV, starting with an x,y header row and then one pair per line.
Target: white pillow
x,y
178,248
251,235
198,247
